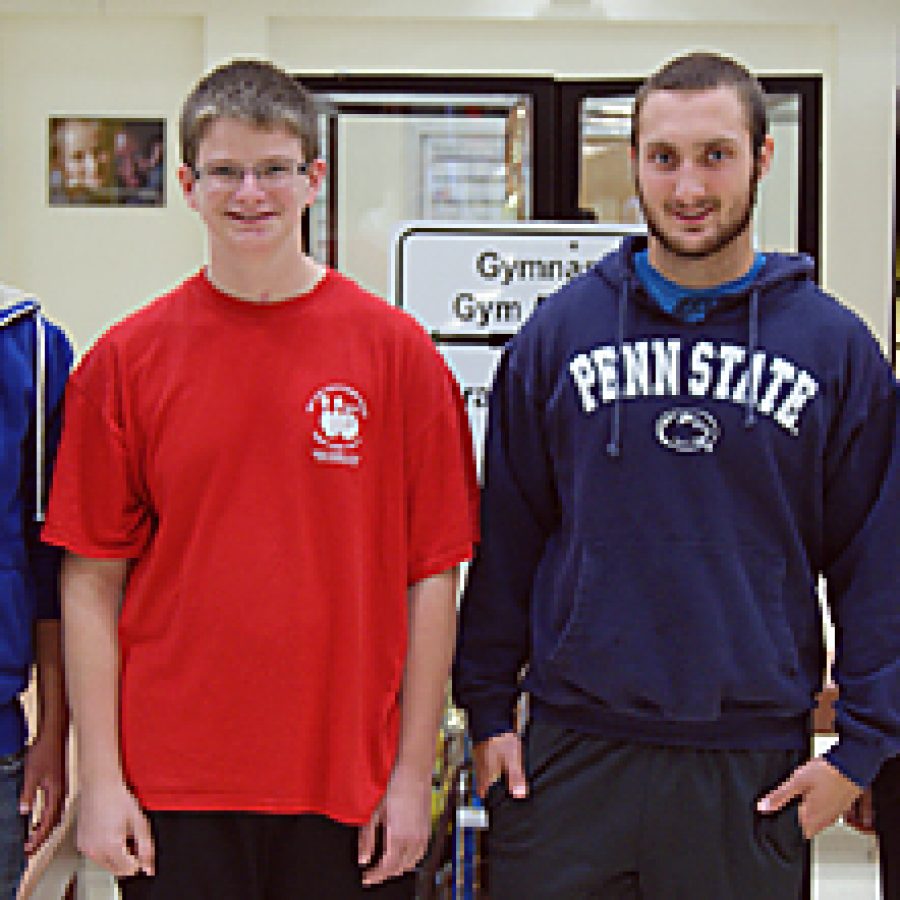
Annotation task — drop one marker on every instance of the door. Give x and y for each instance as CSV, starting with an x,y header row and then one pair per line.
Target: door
x,y
492,149
595,173
437,150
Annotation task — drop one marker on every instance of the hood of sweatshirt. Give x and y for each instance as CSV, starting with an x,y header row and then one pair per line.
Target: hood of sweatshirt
x,y
780,271
617,269
14,306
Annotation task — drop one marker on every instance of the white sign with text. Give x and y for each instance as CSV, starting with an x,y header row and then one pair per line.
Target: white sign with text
x,y
473,286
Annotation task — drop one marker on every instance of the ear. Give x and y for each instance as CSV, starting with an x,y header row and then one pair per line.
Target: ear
x,y
315,176
188,181
633,157
765,156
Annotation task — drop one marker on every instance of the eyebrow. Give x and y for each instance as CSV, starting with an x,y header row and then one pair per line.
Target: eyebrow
x,y
662,144
229,161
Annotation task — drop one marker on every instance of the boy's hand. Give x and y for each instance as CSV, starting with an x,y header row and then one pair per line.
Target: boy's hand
x,y
824,795
45,773
405,816
497,757
113,830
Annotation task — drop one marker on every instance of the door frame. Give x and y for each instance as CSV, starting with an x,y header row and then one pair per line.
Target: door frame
x,y
555,147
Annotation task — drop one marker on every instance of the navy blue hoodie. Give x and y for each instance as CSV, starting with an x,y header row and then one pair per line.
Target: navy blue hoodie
x,y
660,500
35,357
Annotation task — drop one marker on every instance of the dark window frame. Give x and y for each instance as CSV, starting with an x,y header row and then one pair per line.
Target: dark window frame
x,y
555,104
807,88
540,90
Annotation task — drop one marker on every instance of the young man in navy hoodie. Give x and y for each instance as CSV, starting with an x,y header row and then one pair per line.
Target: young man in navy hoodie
x,y
681,442
35,357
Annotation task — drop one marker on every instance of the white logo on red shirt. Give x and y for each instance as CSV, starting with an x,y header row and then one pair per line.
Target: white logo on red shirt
x,y
339,411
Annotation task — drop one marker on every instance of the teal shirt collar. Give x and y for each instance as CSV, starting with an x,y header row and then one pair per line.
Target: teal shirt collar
x,y
689,304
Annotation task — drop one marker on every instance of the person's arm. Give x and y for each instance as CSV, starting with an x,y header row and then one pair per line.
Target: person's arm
x,y
862,568
519,510
112,829
824,794
45,760
405,810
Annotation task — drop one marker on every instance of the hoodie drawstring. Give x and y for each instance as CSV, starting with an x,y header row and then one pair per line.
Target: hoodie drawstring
x,y
614,447
752,340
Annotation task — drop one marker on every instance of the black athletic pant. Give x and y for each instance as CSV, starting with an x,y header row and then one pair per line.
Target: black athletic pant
x,y
618,821
251,856
886,797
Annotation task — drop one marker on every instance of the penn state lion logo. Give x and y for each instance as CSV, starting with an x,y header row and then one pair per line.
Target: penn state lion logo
x,y
339,412
688,430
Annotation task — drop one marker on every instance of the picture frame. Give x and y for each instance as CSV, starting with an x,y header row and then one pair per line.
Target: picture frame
x,y
106,161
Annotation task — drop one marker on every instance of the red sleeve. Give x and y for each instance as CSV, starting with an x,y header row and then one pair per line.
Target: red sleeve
x,y
442,489
97,504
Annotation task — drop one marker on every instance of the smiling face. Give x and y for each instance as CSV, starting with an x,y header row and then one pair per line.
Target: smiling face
x,y
249,220
84,160
696,179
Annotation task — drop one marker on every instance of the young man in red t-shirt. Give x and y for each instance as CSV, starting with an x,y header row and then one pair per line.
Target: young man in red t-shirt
x,y
274,467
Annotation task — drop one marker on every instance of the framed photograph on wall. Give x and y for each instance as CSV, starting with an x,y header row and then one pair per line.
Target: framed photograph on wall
x,y
102,161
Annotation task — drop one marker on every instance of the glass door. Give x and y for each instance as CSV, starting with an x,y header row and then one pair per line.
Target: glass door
x,y
492,149
401,150
595,168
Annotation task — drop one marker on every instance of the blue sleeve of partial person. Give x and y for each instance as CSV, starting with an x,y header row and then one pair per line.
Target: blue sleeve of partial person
x,y
862,567
44,560
519,509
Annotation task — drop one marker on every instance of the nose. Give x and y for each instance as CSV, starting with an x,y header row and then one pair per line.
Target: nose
x,y
689,185
254,186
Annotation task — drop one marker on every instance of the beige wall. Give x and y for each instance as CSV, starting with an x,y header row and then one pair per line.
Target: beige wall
x,y
89,265
109,56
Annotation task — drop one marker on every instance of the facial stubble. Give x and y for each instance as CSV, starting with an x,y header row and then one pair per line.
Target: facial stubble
x,y
719,241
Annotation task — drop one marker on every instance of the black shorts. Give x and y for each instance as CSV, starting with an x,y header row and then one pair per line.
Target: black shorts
x,y
621,821
886,793
254,856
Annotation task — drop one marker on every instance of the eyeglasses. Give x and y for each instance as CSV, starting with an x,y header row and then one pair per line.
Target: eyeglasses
x,y
270,174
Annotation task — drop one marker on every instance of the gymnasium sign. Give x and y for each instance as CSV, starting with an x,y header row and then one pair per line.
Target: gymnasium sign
x,y
473,286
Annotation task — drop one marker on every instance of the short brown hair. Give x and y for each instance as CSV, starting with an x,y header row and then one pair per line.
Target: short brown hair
x,y
702,72
251,91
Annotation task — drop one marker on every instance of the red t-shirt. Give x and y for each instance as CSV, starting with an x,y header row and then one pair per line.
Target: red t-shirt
x,y
280,474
